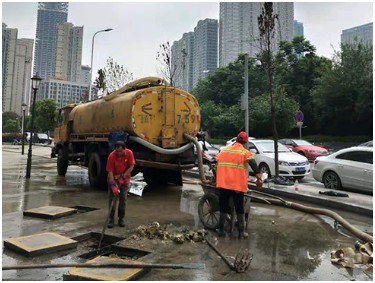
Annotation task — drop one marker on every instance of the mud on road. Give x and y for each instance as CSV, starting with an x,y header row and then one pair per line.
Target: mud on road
x,y
285,244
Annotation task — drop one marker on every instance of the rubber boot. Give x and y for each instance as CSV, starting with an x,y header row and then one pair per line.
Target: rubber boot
x,y
222,219
111,222
121,222
241,227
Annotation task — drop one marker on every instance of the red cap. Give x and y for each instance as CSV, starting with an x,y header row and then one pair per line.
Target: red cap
x,y
242,137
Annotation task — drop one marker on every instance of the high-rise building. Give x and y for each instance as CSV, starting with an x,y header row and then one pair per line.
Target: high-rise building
x,y
85,74
22,73
360,34
297,29
182,58
16,70
9,37
205,49
49,15
69,40
238,28
195,54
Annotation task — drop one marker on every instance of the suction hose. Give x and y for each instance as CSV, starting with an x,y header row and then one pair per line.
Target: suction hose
x,y
355,231
199,155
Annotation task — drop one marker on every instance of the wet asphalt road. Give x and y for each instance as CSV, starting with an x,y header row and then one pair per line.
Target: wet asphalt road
x,y
296,247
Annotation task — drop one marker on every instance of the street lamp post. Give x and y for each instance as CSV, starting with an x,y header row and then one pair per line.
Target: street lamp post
x,y
24,105
92,57
35,81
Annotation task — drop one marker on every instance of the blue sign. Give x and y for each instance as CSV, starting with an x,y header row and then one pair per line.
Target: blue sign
x,y
299,116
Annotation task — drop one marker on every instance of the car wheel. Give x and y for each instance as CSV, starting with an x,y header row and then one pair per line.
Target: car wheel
x,y
263,168
302,153
331,180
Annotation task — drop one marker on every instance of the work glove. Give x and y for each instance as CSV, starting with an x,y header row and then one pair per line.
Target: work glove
x,y
115,189
121,179
259,182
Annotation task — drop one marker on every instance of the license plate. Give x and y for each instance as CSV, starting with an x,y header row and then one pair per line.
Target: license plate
x,y
300,169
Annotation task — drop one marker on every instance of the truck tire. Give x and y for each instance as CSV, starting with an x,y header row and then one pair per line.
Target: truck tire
x,y
97,171
62,161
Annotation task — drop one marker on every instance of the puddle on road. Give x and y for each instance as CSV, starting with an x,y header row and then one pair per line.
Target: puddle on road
x,y
296,247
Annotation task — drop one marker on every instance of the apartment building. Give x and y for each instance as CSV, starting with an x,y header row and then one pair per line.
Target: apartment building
x,y
16,70
238,28
195,55
68,62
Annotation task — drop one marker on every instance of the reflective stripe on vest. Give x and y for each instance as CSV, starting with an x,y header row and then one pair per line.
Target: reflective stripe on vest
x,y
232,168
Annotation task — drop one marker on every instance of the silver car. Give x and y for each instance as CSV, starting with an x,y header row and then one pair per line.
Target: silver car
x,y
349,168
291,164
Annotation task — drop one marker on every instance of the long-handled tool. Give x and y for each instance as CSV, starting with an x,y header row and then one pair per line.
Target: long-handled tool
x,y
109,265
106,223
241,262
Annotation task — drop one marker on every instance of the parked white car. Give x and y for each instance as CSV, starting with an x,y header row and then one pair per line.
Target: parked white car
x,y
349,168
291,164
233,140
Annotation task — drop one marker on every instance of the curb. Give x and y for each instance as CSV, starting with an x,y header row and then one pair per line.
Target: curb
x,y
320,200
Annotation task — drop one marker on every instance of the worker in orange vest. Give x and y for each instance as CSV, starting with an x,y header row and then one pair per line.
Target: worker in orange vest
x,y
232,180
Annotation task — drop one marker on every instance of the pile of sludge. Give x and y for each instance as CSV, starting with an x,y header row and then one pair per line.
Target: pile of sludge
x,y
157,231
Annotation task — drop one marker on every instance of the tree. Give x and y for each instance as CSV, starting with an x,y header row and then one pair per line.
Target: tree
x,y
9,116
266,24
45,114
11,126
164,56
260,113
112,77
298,76
344,94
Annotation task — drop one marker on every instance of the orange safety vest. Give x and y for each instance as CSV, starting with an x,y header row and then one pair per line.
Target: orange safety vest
x,y
231,169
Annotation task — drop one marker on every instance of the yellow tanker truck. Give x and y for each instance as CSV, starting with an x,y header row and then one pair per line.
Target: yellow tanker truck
x,y
148,113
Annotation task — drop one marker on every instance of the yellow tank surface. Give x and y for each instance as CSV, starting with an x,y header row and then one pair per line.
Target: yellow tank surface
x,y
159,115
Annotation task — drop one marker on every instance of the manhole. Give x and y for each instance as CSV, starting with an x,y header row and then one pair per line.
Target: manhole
x,y
40,244
106,274
83,209
115,251
50,212
90,241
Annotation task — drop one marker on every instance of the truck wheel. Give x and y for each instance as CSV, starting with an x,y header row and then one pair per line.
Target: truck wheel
x,y
97,171
62,162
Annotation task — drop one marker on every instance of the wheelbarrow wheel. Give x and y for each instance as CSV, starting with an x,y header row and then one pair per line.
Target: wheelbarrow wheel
x,y
208,211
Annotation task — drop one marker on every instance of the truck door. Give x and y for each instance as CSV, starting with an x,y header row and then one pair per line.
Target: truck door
x,y
61,133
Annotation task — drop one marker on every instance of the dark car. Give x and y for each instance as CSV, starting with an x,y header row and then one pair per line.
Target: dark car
x,y
310,151
212,151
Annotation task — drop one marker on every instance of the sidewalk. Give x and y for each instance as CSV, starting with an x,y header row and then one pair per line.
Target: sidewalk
x,y
357,203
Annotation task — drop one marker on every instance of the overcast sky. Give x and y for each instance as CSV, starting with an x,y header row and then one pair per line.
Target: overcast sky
x,y
139,28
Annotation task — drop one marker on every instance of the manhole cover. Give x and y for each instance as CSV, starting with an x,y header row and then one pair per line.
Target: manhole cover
x,y
50,212
106,274
39,244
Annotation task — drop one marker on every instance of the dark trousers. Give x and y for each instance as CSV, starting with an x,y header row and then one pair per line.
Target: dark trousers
x,y
123,196
226,195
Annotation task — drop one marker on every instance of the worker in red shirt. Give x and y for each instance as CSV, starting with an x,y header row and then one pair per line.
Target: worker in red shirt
x,y
232,180
120,164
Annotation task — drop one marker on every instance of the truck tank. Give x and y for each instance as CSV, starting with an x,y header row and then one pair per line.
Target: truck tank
x,y
158,114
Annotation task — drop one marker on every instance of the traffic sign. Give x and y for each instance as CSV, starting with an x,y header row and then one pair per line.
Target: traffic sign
x,y
299,116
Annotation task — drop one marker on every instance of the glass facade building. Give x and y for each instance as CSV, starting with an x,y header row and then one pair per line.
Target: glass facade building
x,y
360,34
49,15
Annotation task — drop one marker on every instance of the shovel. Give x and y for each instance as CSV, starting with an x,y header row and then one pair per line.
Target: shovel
x,y
106,223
